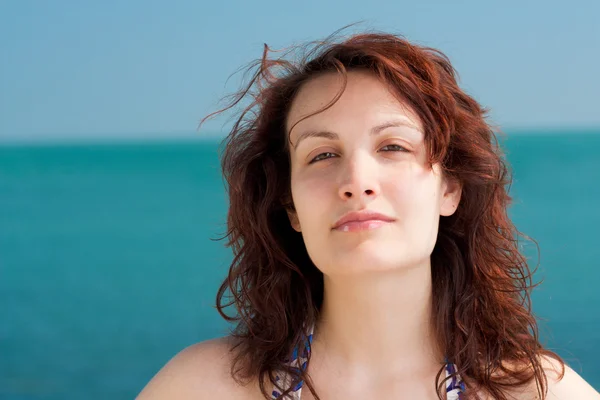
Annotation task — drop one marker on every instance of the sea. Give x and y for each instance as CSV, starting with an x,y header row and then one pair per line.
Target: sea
x,y
110,257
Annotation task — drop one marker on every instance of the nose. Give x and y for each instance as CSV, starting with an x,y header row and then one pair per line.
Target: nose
x,y
359,178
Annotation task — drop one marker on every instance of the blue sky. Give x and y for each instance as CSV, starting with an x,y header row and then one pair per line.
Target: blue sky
x,y
120,69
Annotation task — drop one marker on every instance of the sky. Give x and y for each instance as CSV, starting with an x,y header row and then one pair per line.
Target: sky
x,y
138,69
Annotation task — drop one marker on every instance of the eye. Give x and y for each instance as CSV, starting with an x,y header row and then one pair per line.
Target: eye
x,y
397,146
319,158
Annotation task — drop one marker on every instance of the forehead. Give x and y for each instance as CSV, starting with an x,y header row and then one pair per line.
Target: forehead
x,y
365,99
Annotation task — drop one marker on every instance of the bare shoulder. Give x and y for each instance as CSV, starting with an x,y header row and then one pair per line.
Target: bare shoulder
x,y
200,371
571,386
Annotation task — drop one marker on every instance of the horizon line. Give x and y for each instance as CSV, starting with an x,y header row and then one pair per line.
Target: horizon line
x,y
182,136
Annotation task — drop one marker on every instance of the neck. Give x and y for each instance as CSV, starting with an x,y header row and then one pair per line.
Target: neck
x,y
379,321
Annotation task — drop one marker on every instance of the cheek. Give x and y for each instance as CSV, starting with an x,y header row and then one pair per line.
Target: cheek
x,y
311,194
401,184
413,194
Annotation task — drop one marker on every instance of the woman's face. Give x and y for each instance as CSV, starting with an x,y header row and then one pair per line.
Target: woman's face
x,y
365,153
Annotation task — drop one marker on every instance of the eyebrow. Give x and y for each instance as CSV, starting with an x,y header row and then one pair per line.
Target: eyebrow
x,y
374,131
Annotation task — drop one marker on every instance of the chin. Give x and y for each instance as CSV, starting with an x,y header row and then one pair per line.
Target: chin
x,y
361,262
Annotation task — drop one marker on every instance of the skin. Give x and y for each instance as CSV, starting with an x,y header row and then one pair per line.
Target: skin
x,y
357,340
373,339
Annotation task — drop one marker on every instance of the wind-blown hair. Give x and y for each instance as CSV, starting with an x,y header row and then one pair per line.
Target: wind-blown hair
x,y
481,309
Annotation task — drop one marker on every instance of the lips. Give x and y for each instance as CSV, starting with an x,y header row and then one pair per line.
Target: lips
x,y
358,216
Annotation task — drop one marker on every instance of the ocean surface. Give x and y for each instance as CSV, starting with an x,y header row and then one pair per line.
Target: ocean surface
x,y
109,263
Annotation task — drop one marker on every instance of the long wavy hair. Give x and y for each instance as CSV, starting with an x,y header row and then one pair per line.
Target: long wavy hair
x,y
481,282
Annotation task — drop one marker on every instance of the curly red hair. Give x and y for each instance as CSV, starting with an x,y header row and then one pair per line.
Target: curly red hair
x,y
481,281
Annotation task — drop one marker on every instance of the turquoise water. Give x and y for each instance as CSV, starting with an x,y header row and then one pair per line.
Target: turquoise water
x,y
108,268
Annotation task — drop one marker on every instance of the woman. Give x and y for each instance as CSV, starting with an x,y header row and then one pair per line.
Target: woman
x,y
374,257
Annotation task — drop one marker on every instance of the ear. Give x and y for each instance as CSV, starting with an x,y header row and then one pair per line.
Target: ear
x,y
293,217
451,192
291,213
